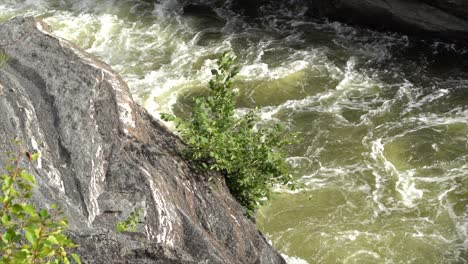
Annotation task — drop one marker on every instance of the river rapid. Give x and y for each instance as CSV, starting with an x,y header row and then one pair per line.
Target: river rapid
x,y
383,160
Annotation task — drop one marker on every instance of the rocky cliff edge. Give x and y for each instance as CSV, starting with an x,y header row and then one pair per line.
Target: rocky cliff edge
x,y
103,156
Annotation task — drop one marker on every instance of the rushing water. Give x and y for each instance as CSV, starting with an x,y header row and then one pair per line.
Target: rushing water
x,y
383,160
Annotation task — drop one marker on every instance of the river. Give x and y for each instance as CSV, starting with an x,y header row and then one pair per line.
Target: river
x,y
383,159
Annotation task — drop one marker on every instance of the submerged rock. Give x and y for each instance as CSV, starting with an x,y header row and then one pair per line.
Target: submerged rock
x,y
103,156
429,18
433,18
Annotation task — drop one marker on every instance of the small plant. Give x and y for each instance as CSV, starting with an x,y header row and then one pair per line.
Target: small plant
x,y
251,158
130,224
3,59
29,235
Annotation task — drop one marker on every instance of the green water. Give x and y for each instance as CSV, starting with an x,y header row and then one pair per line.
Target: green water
x,y
383,160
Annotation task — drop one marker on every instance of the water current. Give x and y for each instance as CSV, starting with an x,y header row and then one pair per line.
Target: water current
x,y
383,158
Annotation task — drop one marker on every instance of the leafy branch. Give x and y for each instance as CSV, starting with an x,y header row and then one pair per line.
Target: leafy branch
x,y
252,159
29,235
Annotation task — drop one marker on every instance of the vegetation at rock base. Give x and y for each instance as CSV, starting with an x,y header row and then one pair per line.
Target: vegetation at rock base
x,y
29,235
251,157
129,224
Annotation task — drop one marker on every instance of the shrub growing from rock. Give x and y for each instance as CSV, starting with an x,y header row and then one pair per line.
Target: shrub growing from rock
x,y
251,158
130,224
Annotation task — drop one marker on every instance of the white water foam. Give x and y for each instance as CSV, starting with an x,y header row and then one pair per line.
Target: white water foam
x,y
294,260
405,184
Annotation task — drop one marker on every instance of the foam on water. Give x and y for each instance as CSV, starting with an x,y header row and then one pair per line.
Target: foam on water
x,y
294,260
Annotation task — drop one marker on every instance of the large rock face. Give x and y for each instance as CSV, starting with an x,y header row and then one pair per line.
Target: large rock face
x,y
456,7
102,156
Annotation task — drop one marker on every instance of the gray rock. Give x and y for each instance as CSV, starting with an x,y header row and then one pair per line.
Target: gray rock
x,y
102,156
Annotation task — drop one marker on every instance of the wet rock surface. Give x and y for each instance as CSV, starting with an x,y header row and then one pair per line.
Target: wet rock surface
x,y
431,18
103,156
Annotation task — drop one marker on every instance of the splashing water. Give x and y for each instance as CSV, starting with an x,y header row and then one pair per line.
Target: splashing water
x,y
383,162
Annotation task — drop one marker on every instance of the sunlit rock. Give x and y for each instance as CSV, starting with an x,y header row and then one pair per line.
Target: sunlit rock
x,y
103,157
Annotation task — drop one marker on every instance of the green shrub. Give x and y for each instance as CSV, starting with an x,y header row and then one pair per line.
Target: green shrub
x,y
251,158
130,224
29,235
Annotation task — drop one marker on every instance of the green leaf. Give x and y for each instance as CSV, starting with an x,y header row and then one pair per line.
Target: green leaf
x,y
52,239
62,239
30,234
43,213
76,258
6,220
30,209
16,208
120,227
28,177
20,255
8,180
9,235
35,156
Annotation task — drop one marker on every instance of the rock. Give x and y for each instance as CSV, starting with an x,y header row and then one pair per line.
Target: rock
x,y
428,18
206,7
456,7
205,17
102,156
247,7
199,9
411,17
